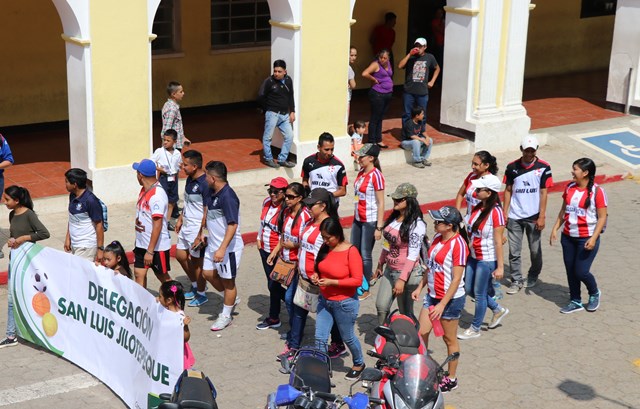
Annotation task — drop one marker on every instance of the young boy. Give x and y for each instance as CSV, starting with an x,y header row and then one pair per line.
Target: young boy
x,y
413,138
171,118
168,161
190,247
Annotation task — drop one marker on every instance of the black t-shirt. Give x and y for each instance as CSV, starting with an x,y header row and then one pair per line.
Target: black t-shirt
x,y
410,128
417,74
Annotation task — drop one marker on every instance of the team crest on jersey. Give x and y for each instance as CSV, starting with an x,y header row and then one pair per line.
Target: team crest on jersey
x,y
215,201
538,172
78,206
156,207
195,188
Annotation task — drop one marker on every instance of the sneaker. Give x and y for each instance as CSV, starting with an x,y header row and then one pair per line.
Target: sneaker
x,y
573,306
469,333
354,374
448,384
497,317
418,165
191,294
364,296
594,302
426,162
236,301
221,323
269,323
288,353
271,163
286,164
336,350
531,282
9,342
514,288
198,300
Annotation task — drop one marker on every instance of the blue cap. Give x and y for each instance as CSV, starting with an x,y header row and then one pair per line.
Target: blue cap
x,y
146,167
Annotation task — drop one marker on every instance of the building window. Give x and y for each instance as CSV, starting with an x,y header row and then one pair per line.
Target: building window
x,y
597,8
240,23
166,25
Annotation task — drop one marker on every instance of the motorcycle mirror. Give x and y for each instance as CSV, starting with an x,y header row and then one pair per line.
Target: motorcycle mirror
x,y
165,396
450,358
371,375
386,332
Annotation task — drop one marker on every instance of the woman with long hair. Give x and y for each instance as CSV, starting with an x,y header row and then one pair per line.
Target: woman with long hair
x,y
404,232
380,73
485,224
584,215
446,260
338,273
369,210
482,164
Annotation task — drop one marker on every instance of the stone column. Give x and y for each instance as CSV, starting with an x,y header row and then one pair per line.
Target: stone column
x,y
624,85
485,46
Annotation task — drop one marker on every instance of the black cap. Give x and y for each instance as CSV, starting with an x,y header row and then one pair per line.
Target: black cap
x,y
447,214
318,195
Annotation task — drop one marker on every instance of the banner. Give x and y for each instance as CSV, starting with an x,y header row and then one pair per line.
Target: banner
x,y
101,321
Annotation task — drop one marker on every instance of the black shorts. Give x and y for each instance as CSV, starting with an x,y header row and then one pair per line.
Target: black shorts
x,y
160,263
170,187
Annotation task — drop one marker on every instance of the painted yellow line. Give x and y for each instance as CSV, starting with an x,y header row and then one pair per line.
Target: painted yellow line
x,y
637,362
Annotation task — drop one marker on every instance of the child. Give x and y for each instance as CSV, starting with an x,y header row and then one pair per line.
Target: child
x,y
357,133
171,296
171,118
24,226
168,161
115,258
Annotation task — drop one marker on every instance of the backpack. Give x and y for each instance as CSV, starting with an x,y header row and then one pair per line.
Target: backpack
x,y
105,216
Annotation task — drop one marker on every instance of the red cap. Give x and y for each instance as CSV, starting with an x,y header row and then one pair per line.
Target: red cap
x,y
279,183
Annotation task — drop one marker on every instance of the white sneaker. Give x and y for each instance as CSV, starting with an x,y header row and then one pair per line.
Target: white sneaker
x,y
221,323
497,317
469,333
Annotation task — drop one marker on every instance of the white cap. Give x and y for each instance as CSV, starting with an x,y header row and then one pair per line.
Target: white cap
x,y
529,141
491,182
421,41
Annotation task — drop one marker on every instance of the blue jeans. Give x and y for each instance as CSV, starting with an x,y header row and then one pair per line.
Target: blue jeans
x,y
11,321
410,101
379,104
271,120
362,238
477,281
419,149
297,316
577,262
276,291
344,313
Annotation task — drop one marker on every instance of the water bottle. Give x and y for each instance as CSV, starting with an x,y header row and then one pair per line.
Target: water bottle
x,y
438,331
497,288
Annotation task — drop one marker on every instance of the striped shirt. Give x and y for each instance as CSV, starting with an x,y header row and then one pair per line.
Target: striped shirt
x,y
470,192
268,234
366,185
483,246
443,257
292,233
578,221
310,243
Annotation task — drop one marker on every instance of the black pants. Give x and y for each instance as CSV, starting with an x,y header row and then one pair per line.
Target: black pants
x,y
379,105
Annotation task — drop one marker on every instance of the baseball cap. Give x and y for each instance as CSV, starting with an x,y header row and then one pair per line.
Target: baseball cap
x,y
489,181
404,190
447,214
421,41
318,195
529,141
146,167
278,183
368,149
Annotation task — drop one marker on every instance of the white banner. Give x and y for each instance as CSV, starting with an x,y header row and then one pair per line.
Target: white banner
x,y
101,321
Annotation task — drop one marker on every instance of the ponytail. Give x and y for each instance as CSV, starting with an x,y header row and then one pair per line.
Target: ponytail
x,y
587,165
21,195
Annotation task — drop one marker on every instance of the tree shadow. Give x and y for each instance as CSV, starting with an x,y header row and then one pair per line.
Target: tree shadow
x,y
582,392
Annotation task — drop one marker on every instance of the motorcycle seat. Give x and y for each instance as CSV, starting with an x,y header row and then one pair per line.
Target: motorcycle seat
x,y
314,372
407,337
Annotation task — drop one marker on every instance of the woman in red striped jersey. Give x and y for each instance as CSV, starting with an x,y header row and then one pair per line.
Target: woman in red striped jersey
x,y
483,163
584,214
485,225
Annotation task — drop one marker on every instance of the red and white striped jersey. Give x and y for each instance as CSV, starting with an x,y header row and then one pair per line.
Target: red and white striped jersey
x,y
365,186
268,233
292,233
578,221
470,193
310,243
483,247
152,204
443,256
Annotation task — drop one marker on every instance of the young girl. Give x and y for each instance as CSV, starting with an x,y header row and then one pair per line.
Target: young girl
x,y
171,296
115,258
24,225
357,133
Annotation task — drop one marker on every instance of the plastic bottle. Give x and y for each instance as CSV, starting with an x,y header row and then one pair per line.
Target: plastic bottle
x,y
438,331
497,288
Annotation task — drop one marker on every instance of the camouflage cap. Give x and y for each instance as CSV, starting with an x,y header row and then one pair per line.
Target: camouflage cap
x,y
404,190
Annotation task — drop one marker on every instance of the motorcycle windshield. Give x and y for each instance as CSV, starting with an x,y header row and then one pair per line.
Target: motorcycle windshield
x,y
416,382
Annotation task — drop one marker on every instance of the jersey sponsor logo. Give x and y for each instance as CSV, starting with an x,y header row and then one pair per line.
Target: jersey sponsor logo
x,y
434,266
527,190
579,211
318,183
307,246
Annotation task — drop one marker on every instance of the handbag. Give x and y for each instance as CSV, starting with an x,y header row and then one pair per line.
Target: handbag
x,y
283,272
307,295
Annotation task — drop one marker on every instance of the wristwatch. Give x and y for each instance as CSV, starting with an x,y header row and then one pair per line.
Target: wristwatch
x,y
379,228
101,248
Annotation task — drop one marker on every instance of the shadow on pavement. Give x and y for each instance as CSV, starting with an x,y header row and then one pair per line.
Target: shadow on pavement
x,y
582,392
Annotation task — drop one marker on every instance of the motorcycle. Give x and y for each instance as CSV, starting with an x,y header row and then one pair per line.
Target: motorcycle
x,y
309,367
408,339
193,390
415,383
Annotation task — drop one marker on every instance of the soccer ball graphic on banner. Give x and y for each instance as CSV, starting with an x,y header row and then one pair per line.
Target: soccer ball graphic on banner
x,y
40,281
41,304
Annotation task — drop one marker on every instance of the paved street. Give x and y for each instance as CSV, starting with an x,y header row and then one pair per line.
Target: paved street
x,y
536,358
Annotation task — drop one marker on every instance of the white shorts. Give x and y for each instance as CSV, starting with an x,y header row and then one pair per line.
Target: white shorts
x,y
228,268
185,243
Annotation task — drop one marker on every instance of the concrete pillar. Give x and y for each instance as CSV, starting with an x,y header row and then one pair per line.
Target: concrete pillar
x,y
109,88
624,68
483,72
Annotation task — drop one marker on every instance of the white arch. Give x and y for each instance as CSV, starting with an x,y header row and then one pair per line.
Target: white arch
x,y
75,17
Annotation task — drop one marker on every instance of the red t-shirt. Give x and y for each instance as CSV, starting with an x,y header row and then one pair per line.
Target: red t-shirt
x,y
346,267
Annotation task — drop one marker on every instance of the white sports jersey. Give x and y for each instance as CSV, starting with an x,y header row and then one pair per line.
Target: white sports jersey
x,y
443,256
152,204
526,184
578,220
365,186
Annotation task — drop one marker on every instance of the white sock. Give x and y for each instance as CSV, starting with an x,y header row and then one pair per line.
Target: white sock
x,y
227,310
194,284
202,293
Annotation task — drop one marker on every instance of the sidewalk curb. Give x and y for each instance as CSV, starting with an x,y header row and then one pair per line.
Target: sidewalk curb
x,y
347,221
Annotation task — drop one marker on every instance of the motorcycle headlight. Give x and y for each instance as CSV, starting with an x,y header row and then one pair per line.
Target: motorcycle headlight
x,y
429,405
399,403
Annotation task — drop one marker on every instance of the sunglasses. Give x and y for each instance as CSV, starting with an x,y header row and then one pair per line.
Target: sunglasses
x,y
291,197
274,191
399,200
481,189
